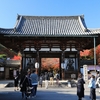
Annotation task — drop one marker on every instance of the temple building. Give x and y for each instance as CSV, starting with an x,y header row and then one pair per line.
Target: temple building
x,y
40,37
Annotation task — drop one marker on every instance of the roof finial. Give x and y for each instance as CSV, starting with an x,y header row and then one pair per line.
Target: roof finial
x,y
82,16
18,16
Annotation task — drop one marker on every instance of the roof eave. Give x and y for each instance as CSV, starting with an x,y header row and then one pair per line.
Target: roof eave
x,y
51,36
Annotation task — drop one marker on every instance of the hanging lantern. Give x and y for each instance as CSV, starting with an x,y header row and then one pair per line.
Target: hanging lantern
x,y
36,65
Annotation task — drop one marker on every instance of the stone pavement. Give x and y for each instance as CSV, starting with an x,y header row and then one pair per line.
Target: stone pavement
x,y
3,83
9,83
52,93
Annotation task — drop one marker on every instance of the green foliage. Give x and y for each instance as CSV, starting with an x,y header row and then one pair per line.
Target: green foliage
x,y
3,56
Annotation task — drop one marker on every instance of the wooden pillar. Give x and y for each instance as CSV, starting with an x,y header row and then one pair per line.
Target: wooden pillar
x,y
21,65
37,67
63,66
94,51
24,61
78,56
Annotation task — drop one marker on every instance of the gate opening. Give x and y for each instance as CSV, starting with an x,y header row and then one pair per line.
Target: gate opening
x,y
50,64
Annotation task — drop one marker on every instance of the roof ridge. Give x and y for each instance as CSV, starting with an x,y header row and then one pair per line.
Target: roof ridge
x,y
27,16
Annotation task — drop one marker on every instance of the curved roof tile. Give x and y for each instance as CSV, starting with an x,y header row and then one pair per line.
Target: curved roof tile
x,y
49,26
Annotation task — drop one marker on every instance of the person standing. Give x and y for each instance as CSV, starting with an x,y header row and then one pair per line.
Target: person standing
x,y
57,79
51,78
46,80
80,87
98,83
34,82
92,85
41,80
24,83
16,82
28,74
29,79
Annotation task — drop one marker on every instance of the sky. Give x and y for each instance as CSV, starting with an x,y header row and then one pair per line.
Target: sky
x,y
9,9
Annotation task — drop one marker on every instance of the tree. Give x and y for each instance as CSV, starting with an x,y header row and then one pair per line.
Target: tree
x,y
16,58
90,54
50,64
85,54
97,51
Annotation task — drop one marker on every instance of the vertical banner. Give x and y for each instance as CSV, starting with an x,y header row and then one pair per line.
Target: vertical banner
x,y
85,72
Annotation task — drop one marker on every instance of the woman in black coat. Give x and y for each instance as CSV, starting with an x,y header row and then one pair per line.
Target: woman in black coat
x,y
80,87
16,82
24,83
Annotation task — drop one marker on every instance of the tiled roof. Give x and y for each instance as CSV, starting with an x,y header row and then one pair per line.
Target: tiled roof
x,y
48,26
13,62
6,51
96,31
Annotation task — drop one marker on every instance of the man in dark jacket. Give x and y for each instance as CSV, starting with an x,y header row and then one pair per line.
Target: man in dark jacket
x,y
80,87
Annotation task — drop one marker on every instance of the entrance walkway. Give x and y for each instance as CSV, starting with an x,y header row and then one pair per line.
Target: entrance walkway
x,y
57,93
63,83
